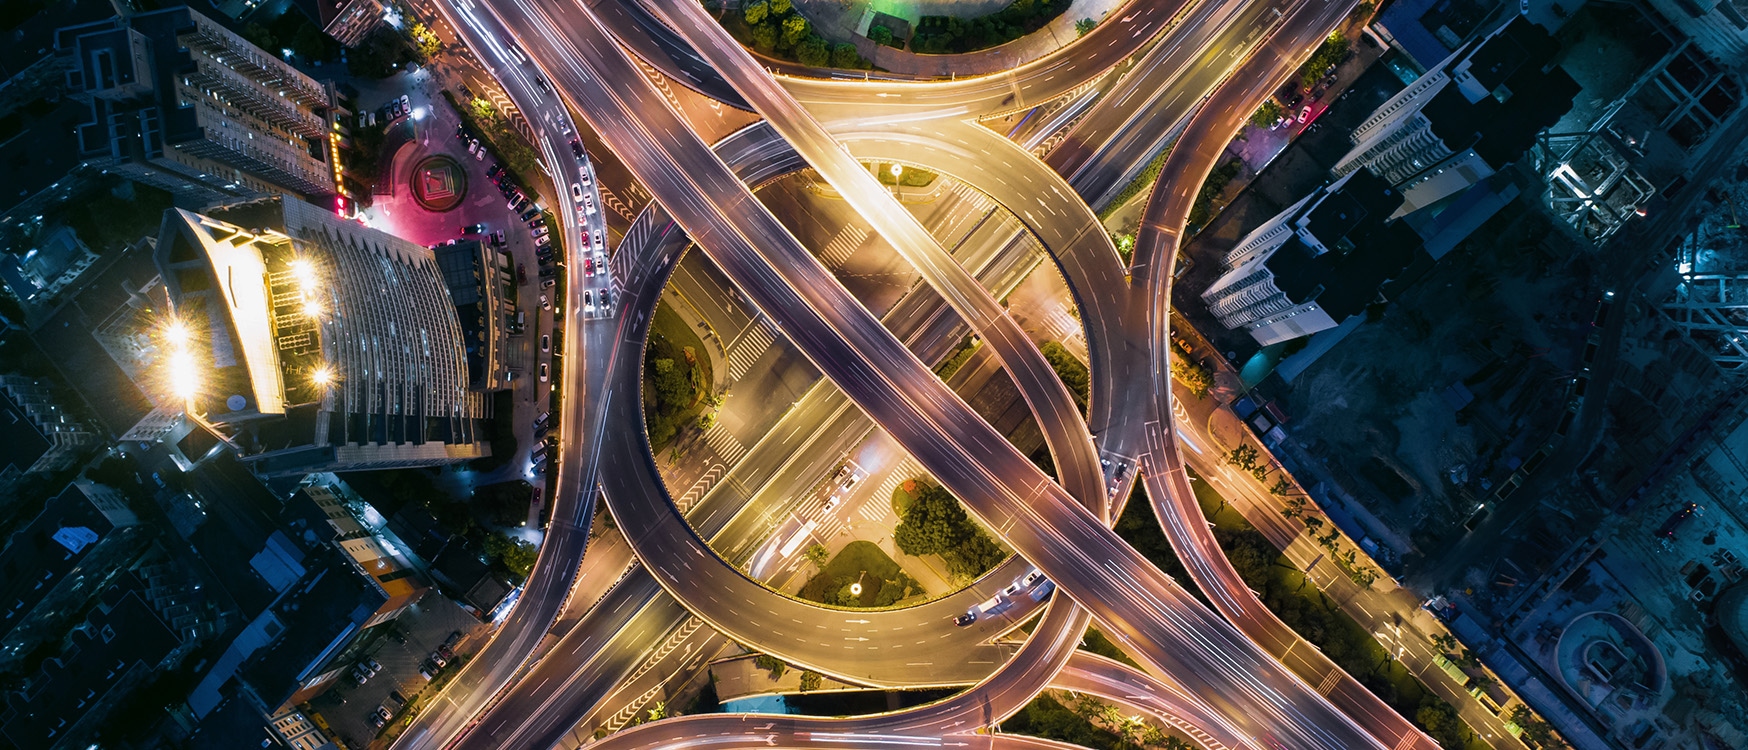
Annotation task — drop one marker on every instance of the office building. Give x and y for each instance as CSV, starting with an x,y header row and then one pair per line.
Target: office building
x,y
1467,118
52,567
316,344
181,103
40,435
119,647
350,21
1316,263
482,286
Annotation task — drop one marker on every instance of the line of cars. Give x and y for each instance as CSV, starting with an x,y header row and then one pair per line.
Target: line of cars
x,y
1033,583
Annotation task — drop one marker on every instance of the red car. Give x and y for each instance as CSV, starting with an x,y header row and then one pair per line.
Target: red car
x,y
521,274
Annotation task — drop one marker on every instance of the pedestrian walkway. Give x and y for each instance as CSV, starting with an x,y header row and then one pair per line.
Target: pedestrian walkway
x,y
747,349
724,443
844,244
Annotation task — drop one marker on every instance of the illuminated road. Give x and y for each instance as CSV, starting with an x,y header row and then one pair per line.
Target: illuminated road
x,y
1147,611
1137,604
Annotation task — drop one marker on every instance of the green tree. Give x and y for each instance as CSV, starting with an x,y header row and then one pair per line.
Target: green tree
x,y
795,30
810,681
1267,114
514,555
1084,26
818,555
772,665
845,56
780,8
1244,456
1329,54
1534,728
764,38
756,13
1282,487
881,35
813,52
1073,373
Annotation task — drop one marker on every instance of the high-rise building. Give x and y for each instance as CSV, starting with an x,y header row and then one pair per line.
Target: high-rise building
x,y
1316,263
181,103
316,344
1467,118
482,285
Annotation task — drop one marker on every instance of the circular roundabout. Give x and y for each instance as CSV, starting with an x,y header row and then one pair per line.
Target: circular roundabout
x,y
439,183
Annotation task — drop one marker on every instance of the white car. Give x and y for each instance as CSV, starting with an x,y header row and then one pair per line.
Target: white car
x,y
588,301
545,343
599,244
576,192
588,204
543,374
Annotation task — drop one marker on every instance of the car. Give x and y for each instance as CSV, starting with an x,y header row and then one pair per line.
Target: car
x,y
544,254
384,713
545,343
965,619
1032,578
1523,7
537,232
437,658
498,238
547,272
1013,588
600,262
446,651
427,673
576,192
480,155
377,722
521,274
544,86
537,222
542,419
599,244
576,148
585,233
395,695
358,676
494,169
543,372
515,197
539,450
588,204
584,173
1305,114
474,229
588,301
546,283
532,212
406,104
545,304
516,53
373,666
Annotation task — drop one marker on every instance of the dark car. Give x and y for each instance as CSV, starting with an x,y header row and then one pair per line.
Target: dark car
x,y
494,169
532,212
577,148
474,229
965,619
521,274
548,272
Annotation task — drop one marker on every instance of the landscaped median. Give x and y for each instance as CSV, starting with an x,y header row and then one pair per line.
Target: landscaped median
x,y
1297,601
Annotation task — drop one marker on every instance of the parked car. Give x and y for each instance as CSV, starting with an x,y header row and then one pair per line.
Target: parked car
x,y
427,672
547,272
438,659
521,274
545,343
532,212
494,169
537,231
372,666
543,372
498,238
546,283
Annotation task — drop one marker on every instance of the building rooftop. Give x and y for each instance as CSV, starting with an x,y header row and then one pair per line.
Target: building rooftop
x,y
320,615
38,556
1503,97
122,642
1365,250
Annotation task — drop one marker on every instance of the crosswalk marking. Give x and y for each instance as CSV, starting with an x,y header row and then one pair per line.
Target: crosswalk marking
x,y
720,440
744,351
906,469
842,246
874,510
1329,682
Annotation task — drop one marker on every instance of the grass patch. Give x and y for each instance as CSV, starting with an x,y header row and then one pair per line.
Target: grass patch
x,y
883,582
1142,183
1071,370
958,357
945,34
676,377
1097,642
1203,209
910,176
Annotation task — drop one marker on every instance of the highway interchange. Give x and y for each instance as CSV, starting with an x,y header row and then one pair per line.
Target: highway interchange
x,y
1198,70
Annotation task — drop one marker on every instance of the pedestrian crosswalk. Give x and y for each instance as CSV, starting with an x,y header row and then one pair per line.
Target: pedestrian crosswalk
x,y
876,509
724,443
746,349
842,246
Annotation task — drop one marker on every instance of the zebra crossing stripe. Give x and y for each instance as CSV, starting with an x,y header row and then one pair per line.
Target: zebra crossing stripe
x,y
747,350
720,440
842,246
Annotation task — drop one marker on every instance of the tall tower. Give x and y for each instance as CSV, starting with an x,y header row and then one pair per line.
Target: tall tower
x,y
181,103
1314,264
316,344
1467,118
